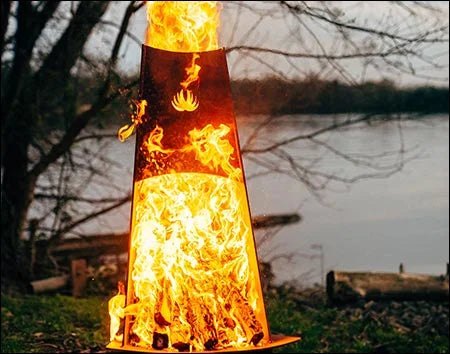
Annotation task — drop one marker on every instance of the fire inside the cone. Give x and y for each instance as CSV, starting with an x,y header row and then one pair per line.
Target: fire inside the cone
x,y
193,281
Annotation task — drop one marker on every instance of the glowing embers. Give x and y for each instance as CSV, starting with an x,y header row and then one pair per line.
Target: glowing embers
x,y
192,286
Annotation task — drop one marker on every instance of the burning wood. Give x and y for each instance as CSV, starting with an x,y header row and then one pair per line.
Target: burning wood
x,y
181,347
160,341
159,319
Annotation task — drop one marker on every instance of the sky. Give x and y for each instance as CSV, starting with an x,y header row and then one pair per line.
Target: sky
x,y
265,24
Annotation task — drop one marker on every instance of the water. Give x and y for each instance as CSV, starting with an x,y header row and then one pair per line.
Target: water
x,y
377,223
373,224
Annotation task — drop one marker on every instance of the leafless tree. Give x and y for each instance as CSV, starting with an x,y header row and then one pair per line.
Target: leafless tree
x,y
56,96
38,88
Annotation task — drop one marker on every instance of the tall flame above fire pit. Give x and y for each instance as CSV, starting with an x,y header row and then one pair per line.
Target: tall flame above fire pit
x,y
183,26
193,281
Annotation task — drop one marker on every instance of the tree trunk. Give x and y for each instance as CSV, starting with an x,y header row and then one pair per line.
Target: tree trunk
x,y
22,107
5,6
17,189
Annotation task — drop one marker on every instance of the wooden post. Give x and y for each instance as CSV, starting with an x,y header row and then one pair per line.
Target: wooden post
x,y
330,286
79,279
33,226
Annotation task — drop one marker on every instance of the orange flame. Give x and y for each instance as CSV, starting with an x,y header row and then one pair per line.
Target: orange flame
x,y
192,279
182,26
116,312
192,72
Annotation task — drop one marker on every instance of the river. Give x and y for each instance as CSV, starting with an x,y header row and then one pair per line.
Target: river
x,y
373,224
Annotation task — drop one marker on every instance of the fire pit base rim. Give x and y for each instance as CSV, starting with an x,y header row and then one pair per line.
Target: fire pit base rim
x,y
276,341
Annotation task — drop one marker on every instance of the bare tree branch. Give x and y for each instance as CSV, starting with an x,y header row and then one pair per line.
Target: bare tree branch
x,y
26,36
91,216
394,51
305,9
67,140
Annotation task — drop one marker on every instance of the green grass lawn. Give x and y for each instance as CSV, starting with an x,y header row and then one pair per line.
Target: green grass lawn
x,y
53,323
329,330
61,324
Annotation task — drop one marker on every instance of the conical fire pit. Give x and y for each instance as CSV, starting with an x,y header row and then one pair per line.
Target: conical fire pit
x,y
193,280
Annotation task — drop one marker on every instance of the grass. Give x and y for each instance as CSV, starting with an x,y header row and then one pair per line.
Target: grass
x,y
53,323
61,324
329,330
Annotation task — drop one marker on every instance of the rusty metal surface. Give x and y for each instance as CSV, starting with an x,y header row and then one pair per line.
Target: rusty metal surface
x,y
161,74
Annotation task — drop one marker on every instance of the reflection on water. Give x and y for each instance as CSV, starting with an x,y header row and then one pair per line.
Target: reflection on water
x,y
375,224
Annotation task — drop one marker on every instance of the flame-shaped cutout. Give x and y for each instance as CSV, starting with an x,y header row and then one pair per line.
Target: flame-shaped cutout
x,y
125,131
185,103
136,118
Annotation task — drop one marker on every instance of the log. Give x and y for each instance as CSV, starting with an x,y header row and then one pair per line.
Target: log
x,y
347,287
49,284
